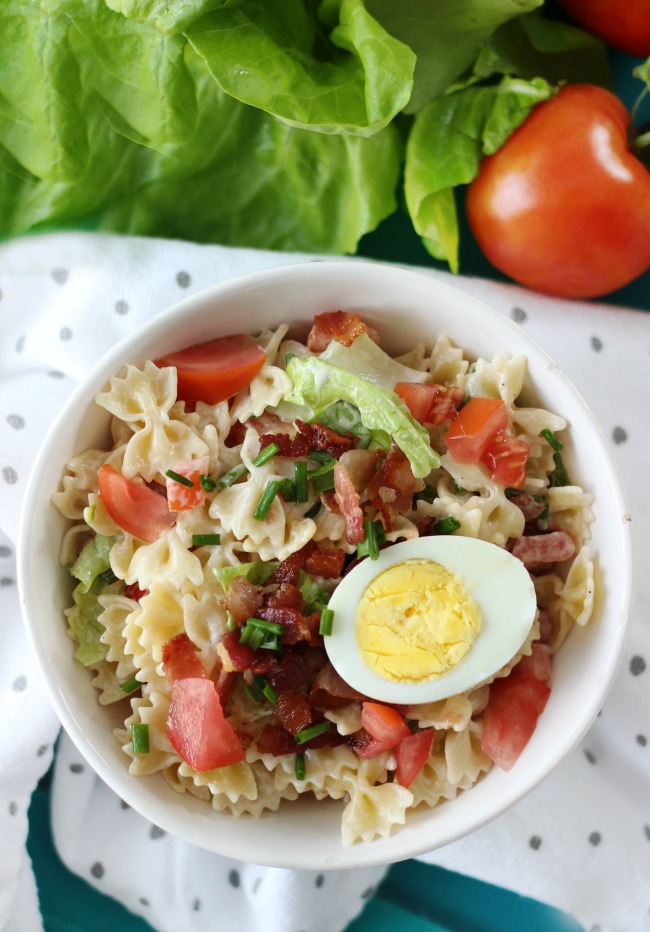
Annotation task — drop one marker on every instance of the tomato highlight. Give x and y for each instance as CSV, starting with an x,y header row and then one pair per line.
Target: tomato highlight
x,y
197,729
509,720
411,755
477,423
133,506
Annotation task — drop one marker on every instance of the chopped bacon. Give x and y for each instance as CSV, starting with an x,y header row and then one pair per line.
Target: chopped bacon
x,y
365,745
225,683
529,506
236,435
243,599
340,326
326,562
297,627
543,548
135,592
276,741
293,711
426,526
330,691
264,661
180,661
293,669
361,466
308,437
394,485
287,596
235,657
288,570
328,500
347,498
267,422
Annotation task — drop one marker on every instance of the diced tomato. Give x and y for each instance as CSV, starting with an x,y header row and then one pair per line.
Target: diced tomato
x,y
216,370
135,507
133,591
181,497
506,458
537,663
477,423
197,729
509,720
383,723
430,404
180,660
411,755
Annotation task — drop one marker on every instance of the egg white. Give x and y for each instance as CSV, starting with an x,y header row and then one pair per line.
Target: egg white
x,y
499,584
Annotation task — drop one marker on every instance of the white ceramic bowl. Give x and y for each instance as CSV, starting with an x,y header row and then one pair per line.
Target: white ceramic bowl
x,y
406,307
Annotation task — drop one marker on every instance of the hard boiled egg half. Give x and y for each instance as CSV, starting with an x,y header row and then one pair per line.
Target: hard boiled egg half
x,y
429,618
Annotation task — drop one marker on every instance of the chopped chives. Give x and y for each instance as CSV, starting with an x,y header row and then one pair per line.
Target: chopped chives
x,y
266,454
551,439
312,732
313,511
108,577
300,481
183,480
288,489
251,637
265,502
447,526
374,536
130,685
322,470
254,691
542,519
229,478
257,633
428,494
202,540
140,738
321,456
458,489
512,493
207,483
322,483
300,768
326,621
559,476
269,693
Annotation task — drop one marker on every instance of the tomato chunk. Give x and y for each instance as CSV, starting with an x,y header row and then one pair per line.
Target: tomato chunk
x,y
506,458
430,404
197,729
411,755
216,370
135,507
384,724
477,423
180,660
509,720
537,663
181,497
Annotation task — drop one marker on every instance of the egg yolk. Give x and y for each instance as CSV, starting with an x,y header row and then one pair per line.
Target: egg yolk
x,y
415,621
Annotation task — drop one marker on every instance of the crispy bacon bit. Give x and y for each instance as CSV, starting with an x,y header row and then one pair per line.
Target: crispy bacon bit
x,y
395,475
326,562
530,508
340,326
276,741
543,548
225,683
180,660
425,526
266,423
328,500
361,466
243,599
236,435
135,592
287,596
297,627
310,437
293,711
287,570
347,498
291,672
292,447
235,657
330,691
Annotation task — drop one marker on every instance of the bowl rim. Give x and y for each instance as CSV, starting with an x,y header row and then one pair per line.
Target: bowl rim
x,y
366,854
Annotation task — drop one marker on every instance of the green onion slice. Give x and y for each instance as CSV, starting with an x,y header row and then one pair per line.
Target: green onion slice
x,y
140,738
266,454
203,540
300,481
428,494
315,508
559,476
183,480
269,693
312,732
300,768
447,526
265,502
108,577
130,685
321,456
551,439
207,483
322,482
229,478
326,621
375,535
257,633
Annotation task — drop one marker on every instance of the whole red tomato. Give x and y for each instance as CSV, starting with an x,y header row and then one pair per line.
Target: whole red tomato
x,y
625,24
564,206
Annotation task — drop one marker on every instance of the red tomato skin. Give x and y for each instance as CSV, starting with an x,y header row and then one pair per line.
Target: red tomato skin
x,y
181,497
411,755
216,370
477,423
506,458
429,404
509,720
563,207
384,724
624,25
137,509
180,660
197,729
538,663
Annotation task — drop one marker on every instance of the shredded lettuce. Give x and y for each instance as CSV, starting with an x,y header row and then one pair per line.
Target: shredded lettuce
x,y
365,358
93,560
83,619
256,572
318,384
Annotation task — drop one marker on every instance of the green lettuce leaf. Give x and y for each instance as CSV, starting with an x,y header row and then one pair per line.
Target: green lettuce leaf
x,y
93,560
351,77
256,573
366,359
83,619
315,596
318,384
449,139
446,36
166,16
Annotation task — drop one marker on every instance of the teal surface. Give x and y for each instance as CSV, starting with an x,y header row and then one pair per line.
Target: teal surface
x,y
414,897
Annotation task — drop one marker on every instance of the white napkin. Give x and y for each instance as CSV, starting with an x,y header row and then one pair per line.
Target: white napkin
x,y
580,842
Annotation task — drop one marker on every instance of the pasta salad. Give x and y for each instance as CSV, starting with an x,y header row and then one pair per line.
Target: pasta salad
x,y
244,480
